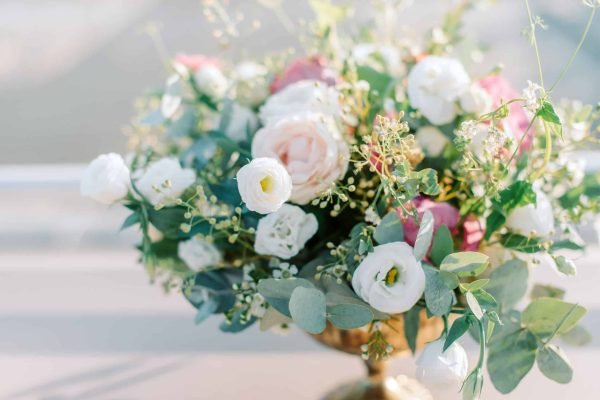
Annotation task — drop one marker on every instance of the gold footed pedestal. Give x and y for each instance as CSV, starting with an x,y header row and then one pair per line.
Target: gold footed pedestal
x,y
377,385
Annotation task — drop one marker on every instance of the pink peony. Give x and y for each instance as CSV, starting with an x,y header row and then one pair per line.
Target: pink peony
x,y
517,121
443,213
194,62
313,68
472,234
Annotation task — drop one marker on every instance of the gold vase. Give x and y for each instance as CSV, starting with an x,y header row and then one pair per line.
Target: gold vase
x,y
378,385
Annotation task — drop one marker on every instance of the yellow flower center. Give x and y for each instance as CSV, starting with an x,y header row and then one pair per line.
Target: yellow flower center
x,y
392,276
266,184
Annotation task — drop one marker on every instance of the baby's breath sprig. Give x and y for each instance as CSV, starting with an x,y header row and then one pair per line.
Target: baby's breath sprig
x,y
377,347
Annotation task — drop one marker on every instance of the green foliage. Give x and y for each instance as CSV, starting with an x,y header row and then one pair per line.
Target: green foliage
x,y
546,291
474,305
277,292
546,113
442,245
521,243
459,327
308,309
412,320
511,358
424,236
466,263
553,363
546,317
131,220
390,229
508,283
184,125
473,385
378,81
578,336
210,292
200,152
349,316
439,298
236,323
516,195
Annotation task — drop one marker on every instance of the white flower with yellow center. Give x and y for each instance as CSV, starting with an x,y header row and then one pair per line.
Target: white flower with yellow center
x,y
264,185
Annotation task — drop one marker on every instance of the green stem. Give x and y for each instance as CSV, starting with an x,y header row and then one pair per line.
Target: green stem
x,y
481,344
534,42
547,153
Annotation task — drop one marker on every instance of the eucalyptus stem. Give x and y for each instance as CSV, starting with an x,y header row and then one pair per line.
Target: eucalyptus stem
x,y
481,344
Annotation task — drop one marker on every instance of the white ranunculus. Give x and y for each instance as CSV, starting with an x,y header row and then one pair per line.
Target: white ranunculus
x,y
390,278
536,220
251,83
285,232
476,100
241,121
310,147
164,181
431,140
438,368
211,81
264,185
106,179
198,254
434,86
307,96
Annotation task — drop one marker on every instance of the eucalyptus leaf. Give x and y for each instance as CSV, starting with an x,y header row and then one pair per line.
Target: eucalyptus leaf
x,y
349,316
236,324
546,316
390,229
438,297
474,305
546,291
442,245
459,327
553,363
277,292
466,263
206,309
510,359
508,283
424,236
308,309
412,319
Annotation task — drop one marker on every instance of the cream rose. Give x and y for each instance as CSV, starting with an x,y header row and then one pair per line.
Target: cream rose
x,y
198,254
310,147
431,140
264,185
307,96
536,220
390,278
285,232
106,179
438,368
164,181
434,86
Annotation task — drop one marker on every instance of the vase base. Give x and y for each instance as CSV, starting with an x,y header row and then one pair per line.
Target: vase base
x,y
400,388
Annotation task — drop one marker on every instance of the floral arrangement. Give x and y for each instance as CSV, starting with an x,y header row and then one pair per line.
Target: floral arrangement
x,y
369,180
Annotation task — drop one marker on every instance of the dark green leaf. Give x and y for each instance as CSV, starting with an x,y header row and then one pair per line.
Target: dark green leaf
x,y
442,245
131,220
521,243
412,320
236,324
459,327
390,229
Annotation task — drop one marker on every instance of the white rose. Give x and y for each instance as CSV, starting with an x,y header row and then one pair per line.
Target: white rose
x,y
251,83
198,254
307,96
211,81
264,185
285,232
390,278
536,220
476,100
310,147
438,368
431,140
434,86
106,179
164,181
242,120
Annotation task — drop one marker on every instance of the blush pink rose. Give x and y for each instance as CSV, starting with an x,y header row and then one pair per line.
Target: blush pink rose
x,y
194,62
472,234
310,147
313,68
443,214
500,90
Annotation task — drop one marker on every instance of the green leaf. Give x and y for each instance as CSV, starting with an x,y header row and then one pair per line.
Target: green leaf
x,y
566,244
458,329
510,359
553,363
390,229
516,195
546,291
378,81
278,292
428,181
578,336
237,324
424,236
508,283
349,316
565,265
442,245
521,243
546,316
473,385
412,319
466,263
184,125
475,285
494,222
438,297
546,112
131,220
308,309
474,305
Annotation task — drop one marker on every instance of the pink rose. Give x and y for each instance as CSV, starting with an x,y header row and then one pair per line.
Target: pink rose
x,y
310,147
194,62
517,121
472,234
443,213
313,68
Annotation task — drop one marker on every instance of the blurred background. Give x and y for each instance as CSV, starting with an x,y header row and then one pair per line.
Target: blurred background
x,y
78,318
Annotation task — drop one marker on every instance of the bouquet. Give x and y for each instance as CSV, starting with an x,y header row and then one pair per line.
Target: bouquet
x,y
372,178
